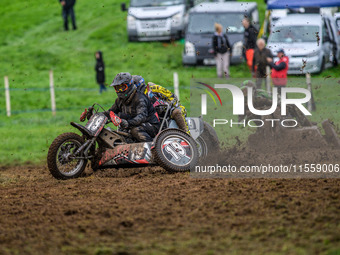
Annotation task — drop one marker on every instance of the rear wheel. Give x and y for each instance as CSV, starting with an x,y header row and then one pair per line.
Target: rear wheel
x,y
61,160
208,143
202,148
175,151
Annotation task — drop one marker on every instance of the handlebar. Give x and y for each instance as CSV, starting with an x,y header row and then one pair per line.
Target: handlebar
x,y
99,106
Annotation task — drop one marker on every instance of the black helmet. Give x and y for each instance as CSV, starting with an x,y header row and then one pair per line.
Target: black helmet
x,y
122,78
123,85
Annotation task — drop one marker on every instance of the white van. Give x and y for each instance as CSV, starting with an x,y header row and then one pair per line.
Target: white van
x,y
309,40
155,20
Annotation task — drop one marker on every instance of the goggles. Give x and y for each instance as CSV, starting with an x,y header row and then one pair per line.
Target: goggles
x,y
121,88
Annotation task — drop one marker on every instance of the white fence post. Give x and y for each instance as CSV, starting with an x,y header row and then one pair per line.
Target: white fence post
x,y
309,87
268,79
53,105
176,85
8,98
311,103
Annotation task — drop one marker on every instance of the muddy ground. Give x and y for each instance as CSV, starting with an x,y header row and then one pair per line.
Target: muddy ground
x,y
148,211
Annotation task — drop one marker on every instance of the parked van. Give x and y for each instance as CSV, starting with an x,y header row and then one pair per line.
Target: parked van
x,y
276,14
309,40
154,20
200,30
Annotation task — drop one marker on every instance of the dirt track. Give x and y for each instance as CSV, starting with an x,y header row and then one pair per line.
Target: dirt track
x,y
147,211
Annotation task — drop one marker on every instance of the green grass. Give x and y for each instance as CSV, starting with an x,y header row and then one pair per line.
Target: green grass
x,y
32,42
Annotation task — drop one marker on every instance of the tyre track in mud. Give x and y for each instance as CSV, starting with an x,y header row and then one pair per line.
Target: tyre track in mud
x,y
140,211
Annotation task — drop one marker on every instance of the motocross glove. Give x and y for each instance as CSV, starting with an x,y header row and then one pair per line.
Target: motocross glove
x,y
124,124
89,112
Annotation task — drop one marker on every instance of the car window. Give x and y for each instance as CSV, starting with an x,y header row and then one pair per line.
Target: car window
x,y
291,34
201,23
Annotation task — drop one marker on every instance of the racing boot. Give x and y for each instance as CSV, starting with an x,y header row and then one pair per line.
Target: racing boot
x,y
178,117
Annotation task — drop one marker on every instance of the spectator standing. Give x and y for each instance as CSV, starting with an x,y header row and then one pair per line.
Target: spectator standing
x,y
279,70
250,36
68,11
260,61
100,71
221,47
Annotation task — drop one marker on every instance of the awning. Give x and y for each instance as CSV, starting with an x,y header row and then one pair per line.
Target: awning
x,y
285,4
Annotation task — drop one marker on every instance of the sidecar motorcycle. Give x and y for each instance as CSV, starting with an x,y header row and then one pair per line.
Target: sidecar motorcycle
x,y
172,149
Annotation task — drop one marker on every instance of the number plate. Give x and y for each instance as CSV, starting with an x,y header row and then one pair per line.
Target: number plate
x,y
96,124
209,61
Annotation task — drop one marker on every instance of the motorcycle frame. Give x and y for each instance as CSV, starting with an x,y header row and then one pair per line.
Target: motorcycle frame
x,y
92,138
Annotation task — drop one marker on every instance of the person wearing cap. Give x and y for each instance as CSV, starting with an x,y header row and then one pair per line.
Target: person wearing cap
x,y
135,109
279,70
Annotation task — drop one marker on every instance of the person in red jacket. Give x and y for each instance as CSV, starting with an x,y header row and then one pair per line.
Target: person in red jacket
x,y
279,70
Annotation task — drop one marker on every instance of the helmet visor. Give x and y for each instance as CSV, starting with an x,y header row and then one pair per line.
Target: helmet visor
x,y
121,88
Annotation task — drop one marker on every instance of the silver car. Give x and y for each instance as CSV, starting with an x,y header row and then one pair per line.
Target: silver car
x,y
309,40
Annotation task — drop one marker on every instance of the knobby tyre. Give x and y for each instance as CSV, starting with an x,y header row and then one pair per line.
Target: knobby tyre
x,y
175,151
208,142
60,161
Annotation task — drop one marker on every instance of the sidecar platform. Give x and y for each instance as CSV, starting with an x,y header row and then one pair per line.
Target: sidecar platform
x,y
127,154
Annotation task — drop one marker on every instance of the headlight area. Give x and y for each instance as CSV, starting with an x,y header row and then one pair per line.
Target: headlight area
x,y
131,22
176,20
189,49
237,48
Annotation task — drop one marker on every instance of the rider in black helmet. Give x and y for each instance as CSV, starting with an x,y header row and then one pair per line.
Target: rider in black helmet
x,y
135,109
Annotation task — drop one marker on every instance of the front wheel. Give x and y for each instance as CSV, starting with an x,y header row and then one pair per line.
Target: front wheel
x,y
61,161
175,150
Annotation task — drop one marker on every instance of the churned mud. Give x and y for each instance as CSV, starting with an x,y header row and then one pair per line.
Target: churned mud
x,y
148,211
